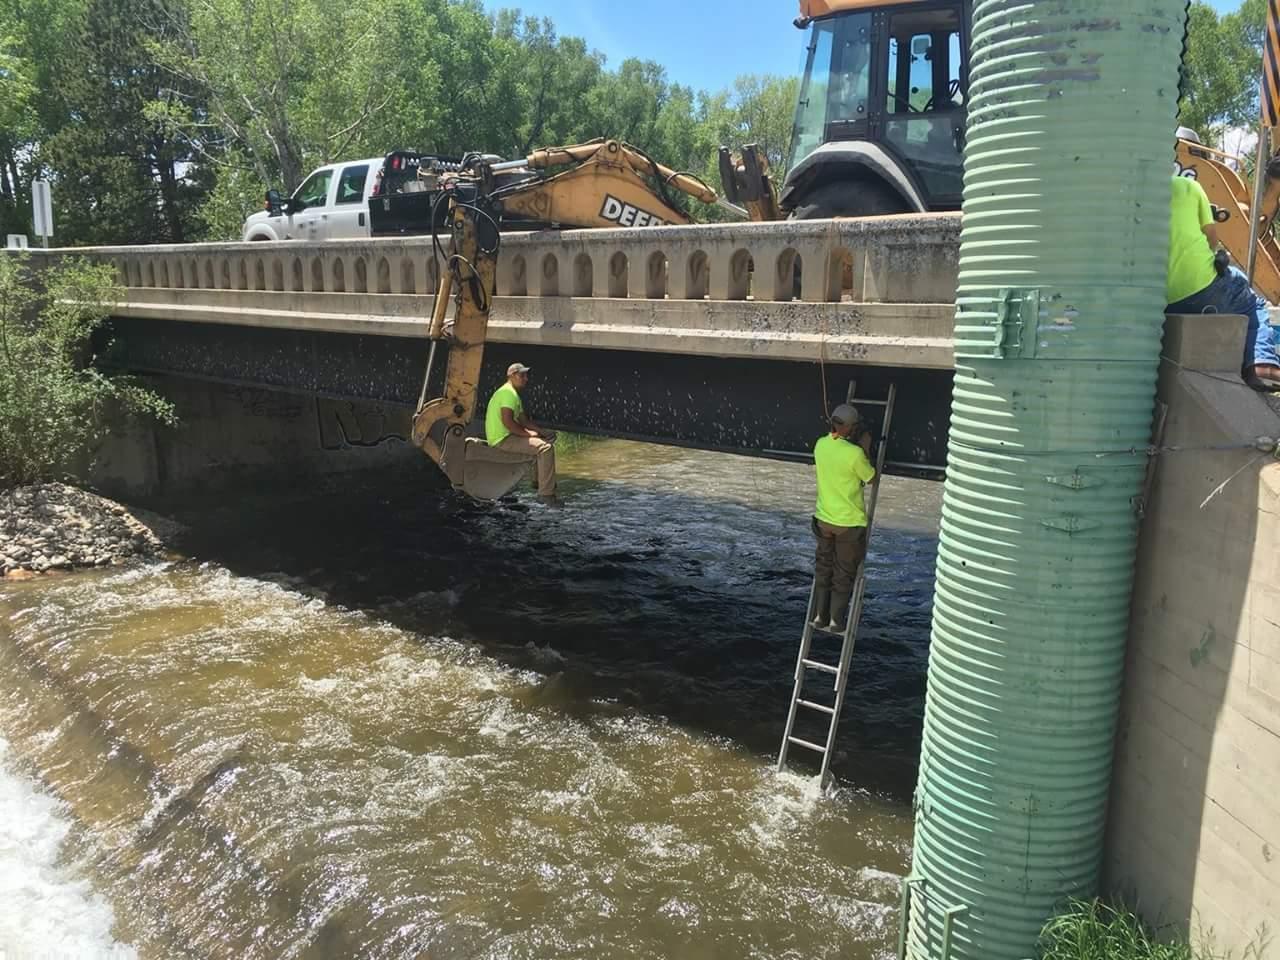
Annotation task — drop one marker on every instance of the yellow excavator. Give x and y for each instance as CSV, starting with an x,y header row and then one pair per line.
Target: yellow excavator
x,y
602,183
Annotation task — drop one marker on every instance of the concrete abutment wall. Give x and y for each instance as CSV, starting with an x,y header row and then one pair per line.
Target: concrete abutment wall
x,y
1194,821
232,438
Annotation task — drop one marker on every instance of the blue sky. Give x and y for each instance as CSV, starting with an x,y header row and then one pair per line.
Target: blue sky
x,y
702,43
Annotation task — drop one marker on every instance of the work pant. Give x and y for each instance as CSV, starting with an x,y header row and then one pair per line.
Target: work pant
x,y
540,449
1231,293
841,551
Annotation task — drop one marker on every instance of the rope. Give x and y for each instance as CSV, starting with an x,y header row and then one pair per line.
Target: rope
x,y
823,331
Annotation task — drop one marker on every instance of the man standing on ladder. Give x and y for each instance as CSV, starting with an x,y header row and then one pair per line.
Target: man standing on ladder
x,y
840,517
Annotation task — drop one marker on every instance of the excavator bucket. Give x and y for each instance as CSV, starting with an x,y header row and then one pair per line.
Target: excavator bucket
x,y
746,181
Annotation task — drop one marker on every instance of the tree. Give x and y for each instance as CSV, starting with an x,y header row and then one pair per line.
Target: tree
x,y
1221,67
53,401
285,84
116,167
17,122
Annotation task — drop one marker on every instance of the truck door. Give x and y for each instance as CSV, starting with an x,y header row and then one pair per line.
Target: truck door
x,y
350,216
310,206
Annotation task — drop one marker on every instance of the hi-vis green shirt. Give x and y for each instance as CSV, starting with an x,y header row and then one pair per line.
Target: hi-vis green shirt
x,y
843,468
1190,259
494,429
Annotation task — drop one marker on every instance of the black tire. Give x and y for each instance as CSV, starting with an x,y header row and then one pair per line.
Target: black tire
x,y
849,198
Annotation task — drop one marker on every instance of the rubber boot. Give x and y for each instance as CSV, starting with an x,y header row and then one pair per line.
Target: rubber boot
x,y
821,602
839,609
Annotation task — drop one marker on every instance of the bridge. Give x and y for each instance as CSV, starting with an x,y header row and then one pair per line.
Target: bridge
x,y
731,338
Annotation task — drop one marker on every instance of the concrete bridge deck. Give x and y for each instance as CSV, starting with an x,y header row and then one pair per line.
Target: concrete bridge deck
x,y
689,335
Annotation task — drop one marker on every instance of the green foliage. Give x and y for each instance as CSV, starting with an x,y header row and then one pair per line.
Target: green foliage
x,y
164,120
53,402
167,119
1222,66
1096,930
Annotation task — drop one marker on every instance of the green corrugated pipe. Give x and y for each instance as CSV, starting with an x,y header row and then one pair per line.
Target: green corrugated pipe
x,y
1069,152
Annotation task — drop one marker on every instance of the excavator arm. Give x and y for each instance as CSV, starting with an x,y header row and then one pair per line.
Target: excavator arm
x,y
610,184
442,416
607,184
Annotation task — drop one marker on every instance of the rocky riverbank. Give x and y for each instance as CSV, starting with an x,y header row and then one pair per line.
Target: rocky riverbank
x,y
54,526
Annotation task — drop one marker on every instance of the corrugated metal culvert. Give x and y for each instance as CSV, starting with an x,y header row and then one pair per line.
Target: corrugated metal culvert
x,y
1060,307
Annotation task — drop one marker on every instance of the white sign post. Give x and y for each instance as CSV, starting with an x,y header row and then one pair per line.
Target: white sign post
x,y
42,210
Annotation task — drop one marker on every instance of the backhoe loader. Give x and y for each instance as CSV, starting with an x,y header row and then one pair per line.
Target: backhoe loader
x,y
602,183
607,183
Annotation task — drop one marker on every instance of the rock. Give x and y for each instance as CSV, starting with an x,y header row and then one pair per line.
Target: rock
x,y
60,562
48,532
18,551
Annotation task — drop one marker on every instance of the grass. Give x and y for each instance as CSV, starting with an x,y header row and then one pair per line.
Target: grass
x,y
1097,930
567,443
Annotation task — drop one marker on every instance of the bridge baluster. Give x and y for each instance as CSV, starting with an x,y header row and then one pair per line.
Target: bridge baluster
x,y
617,275
549,276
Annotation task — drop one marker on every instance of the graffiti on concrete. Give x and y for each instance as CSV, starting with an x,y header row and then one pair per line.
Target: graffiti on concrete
x,y
342,424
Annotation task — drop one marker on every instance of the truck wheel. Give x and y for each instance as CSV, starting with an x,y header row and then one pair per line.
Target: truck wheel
x,y
849,198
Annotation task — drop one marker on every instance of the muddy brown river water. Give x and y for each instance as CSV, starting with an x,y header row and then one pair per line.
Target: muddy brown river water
x,y
379,722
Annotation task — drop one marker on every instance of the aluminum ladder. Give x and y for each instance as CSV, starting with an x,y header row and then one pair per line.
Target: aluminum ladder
x,y
805,662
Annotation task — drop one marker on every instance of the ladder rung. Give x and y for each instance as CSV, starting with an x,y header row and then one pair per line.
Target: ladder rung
x,y
830,711
870,403
805,743
816,665
834,633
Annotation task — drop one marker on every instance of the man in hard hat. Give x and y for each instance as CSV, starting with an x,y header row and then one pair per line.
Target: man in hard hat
x,y
507,428
840,518
1197,282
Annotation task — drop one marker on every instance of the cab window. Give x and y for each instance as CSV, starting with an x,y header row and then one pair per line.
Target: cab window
x,y
351,184
924,62
924,96
314,191
834,85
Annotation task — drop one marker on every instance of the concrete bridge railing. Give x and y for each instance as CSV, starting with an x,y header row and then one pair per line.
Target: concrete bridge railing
x,y
868,291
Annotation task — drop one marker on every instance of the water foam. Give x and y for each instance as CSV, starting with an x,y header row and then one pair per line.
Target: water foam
x,y
49,910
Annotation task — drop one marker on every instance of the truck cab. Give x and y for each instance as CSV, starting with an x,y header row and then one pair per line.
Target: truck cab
x,y
880,117
331,204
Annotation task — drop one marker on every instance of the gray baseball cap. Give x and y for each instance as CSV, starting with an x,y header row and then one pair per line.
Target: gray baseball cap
x,y
844,415
516,368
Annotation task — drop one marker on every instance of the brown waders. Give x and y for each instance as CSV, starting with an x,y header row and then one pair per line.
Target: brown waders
x,y
841,551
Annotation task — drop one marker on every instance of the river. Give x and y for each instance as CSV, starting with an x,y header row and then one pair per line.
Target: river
x,y
385,722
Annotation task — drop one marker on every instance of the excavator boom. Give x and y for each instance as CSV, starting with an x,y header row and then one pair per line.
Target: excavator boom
x,y
603,183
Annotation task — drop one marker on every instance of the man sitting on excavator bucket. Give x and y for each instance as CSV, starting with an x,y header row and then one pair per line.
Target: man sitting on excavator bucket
x,y
507,428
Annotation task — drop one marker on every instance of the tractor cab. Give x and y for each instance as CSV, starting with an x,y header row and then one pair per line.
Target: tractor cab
x,y
879,124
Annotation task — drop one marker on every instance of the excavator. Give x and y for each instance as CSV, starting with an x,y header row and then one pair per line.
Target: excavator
x,y
604,183
601,183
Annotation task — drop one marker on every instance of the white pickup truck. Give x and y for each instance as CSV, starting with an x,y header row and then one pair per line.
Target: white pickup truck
x,y
331,204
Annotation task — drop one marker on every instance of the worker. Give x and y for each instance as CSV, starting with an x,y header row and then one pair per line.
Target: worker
x,y
840,518
1198,282
506,427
